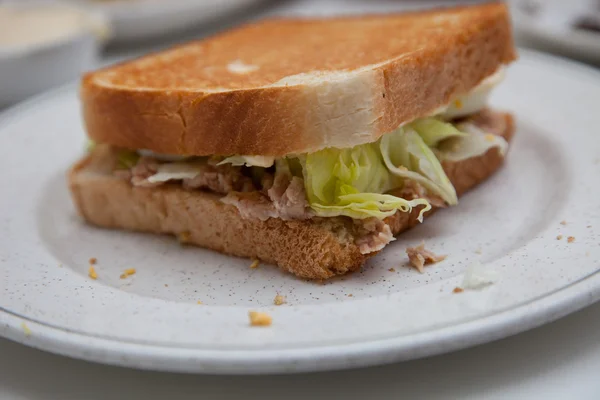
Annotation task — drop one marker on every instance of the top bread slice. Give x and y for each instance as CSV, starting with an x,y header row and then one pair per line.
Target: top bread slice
x,y
288,86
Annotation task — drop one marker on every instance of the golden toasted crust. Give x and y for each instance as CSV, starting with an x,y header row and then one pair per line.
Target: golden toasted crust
x,y
314,249
289,86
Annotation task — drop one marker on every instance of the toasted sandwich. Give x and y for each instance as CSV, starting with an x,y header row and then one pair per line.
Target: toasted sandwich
x,y
305,143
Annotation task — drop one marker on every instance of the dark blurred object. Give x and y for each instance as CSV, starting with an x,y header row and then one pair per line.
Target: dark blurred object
x,y
589,23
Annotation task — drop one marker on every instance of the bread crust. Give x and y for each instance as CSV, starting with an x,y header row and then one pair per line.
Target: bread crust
x,y
314,249
335,104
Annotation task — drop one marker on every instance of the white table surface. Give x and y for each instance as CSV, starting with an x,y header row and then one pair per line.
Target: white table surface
x,y
557,361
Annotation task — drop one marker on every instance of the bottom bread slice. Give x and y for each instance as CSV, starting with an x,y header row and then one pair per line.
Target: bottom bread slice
x,y
318,248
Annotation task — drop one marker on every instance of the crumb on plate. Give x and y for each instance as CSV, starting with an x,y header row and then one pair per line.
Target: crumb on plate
x,y
198,302
419,257
279,300
571,239
559,237
563,222
478,251
259,318
26,329
392,270
92,272
458,290
93,260
350,295
128,272
255,263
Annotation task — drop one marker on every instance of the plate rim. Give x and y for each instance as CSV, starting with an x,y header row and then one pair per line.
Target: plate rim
x,y
535,312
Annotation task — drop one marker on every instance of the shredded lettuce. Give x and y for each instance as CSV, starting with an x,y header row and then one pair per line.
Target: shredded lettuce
x,y
175,171
355,182
433,131
351,182
475,143
406,155
249,161
90,145
127,159
163,157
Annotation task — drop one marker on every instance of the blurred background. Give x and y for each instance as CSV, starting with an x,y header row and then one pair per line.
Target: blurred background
x,y
46,43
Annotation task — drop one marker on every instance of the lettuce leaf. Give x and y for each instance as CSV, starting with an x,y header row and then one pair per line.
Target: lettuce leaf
x,y
406,155
176,171
164,157
433,131
127,159
90,145
475,143
351,182
249,161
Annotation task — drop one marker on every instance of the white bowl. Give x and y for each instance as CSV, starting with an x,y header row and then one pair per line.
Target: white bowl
x,y
27,69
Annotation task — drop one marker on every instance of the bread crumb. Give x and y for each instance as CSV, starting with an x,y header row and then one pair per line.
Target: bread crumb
x,y
589,226
93,260
198,302
392,270
279,300
184,237
489,137
166,285
419,257
478,251
128,272
255,264
559,237
26,329
458,290
350,295
563,222
259,318
458,104
92,272
571,239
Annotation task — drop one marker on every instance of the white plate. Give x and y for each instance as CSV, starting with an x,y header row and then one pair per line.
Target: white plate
x,y
549,24
142,19
151,320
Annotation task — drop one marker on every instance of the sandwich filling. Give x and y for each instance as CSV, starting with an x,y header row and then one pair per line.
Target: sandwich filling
x,y
368,183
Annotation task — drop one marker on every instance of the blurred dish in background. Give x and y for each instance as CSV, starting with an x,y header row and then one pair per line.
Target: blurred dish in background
x,y
141,19
569,27
45,44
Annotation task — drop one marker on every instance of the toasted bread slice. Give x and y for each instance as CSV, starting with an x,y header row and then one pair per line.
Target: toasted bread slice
x,y
288,86
316,249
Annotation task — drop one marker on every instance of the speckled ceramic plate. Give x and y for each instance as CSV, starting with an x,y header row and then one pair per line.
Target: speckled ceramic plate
x,y
387,312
